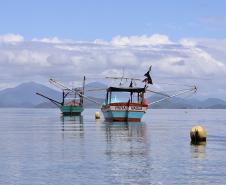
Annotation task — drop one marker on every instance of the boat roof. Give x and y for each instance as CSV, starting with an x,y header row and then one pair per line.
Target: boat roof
x,y
125,89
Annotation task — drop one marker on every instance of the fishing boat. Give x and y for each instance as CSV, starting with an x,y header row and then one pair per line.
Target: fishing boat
x,y
72,107
72,99
126,109
128,104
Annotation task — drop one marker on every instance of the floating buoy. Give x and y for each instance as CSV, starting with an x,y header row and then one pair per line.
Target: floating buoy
x,y
197,134
97,115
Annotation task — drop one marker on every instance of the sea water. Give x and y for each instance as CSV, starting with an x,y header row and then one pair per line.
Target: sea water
x,y
39,147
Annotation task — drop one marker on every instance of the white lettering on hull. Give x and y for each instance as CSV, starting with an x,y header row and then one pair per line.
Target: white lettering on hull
x,y
119,108
135,108
125,108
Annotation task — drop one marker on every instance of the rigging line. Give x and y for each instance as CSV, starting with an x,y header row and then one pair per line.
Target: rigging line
x,y
90,78
101,89
173,90
189,95
163,94
175,84
177,94
167,92
62,86
124,78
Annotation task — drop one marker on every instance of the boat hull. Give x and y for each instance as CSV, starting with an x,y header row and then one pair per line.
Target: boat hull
x,y
124,112
71,110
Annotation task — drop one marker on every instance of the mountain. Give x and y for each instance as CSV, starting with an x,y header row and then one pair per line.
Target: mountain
x,y
173,103
189,103
217,106
210,102
99,90
24,95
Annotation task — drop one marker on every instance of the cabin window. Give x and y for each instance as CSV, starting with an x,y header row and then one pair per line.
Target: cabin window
x,y
124,97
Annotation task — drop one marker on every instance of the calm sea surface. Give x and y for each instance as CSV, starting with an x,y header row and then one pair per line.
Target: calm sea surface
x,y
38,147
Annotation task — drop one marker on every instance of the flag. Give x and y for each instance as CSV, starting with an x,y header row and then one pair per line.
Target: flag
x,y
131,84
148,77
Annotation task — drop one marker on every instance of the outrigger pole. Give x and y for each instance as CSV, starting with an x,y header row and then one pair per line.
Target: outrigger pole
x,y
163,94
124,78
60,85
194,89
59,104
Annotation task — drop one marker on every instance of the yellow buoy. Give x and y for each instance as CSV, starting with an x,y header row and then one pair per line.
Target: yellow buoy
x,y
197,134
97,115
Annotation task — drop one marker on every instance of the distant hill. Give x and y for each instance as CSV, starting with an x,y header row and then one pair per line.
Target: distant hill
x,y
173,103
191,103
46,105
24,95
99,90
217,106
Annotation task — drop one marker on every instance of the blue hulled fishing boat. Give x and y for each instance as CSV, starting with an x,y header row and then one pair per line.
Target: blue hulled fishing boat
x,y
126,109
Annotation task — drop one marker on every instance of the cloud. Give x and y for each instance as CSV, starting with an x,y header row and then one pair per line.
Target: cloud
x,y
11,38
185,61
53,40
143,40
188,42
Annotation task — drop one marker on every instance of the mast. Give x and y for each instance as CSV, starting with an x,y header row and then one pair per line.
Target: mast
x,y
63,97
83,89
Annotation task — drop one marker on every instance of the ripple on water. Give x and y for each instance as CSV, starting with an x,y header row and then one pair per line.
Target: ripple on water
x,y
38,146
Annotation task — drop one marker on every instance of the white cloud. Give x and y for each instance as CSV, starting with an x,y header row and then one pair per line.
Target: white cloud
x,y
53,40
100,41
188,58
143,40
24,57
11,38
69,47
188,42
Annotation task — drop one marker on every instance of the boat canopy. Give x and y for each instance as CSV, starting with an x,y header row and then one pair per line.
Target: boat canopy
x,y
128,89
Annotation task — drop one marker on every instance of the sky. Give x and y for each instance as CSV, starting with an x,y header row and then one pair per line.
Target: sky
x,y
104,19
184,41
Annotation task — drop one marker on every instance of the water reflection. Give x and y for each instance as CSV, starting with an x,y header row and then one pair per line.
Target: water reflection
x,y
198,151
98,121
127,148
127,139
73,125
125,130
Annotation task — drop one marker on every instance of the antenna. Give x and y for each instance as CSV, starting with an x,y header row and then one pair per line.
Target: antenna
x,y
123,73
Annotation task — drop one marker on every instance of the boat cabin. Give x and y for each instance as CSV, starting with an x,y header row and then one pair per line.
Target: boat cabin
x,y
121,94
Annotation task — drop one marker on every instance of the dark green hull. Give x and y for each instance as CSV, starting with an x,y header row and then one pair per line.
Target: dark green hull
x,y
71,110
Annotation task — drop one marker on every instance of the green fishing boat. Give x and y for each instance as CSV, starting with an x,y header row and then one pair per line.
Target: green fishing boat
x,y
72,99
71,110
